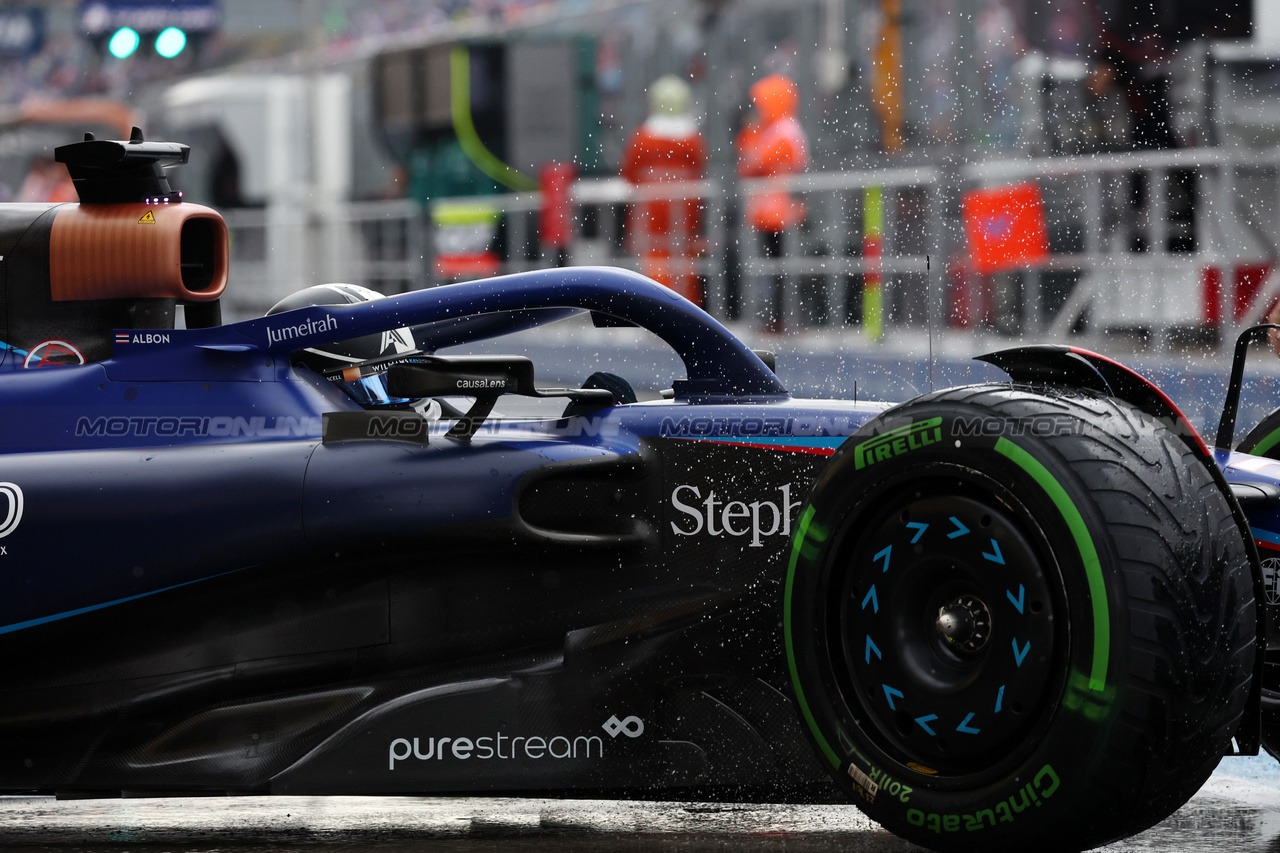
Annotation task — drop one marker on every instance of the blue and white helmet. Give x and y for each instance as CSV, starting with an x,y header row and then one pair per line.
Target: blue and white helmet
x,y
367,390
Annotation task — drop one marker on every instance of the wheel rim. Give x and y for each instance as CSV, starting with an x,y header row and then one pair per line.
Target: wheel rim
x,y
948,624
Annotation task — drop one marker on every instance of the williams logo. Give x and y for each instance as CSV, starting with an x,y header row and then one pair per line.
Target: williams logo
x,y
287,333
13,508
897,441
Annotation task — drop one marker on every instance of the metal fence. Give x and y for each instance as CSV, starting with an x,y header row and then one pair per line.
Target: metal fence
x,y
1160,244
863,231
1155,244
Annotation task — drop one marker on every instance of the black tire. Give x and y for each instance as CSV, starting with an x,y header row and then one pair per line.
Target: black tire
x,y
1264,439
1118,602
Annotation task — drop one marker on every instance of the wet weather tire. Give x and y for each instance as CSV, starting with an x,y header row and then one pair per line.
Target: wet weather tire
x,y
1018,616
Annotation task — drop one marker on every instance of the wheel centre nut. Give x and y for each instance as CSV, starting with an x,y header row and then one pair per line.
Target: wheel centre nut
x,y
964,624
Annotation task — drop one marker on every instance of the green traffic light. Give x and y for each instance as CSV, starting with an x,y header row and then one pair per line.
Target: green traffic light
x,y
124,42
171,42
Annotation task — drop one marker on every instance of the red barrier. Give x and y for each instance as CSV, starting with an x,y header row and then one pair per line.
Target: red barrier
x,y
1005,227
555,219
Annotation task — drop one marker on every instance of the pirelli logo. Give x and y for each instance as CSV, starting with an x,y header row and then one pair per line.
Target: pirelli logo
x,y
913,436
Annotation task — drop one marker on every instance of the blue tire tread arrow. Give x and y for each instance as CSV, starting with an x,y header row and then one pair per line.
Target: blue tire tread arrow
x,y
995,556
1020,600
889,693
1000,698
965,727
871,597
872,647
1020,656
885,553
925,721
919,527
960,530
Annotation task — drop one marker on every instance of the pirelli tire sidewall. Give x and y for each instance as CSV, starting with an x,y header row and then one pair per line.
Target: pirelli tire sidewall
x,y
1053,778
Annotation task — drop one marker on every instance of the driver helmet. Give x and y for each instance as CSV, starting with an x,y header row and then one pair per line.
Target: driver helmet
x,y
367,390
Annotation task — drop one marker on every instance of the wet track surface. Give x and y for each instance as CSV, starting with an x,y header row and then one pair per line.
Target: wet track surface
x,y
1237,812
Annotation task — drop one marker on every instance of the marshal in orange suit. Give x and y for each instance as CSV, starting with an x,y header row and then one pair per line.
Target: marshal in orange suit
x,y
667,148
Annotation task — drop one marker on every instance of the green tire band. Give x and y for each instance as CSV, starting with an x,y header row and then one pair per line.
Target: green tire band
x,y
1272,439
802,532
1088,555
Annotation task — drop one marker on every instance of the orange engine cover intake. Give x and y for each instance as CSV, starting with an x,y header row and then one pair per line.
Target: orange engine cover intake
x,y
137,251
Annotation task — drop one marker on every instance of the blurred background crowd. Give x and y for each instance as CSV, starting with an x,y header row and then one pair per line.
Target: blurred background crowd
x,y
1069,166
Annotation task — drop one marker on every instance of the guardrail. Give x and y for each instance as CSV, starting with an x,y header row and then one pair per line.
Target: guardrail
x,y
720,250
693,246
598,233
1159,243
1155,243
859,257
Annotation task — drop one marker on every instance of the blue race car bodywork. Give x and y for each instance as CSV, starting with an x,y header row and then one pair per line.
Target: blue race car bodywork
x,y
222,573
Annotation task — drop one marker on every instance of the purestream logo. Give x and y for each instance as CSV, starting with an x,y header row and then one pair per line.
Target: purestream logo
x,y
496,746
311,327
512,747
631,726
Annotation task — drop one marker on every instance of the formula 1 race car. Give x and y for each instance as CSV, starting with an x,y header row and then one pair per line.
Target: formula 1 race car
x,y
309,554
